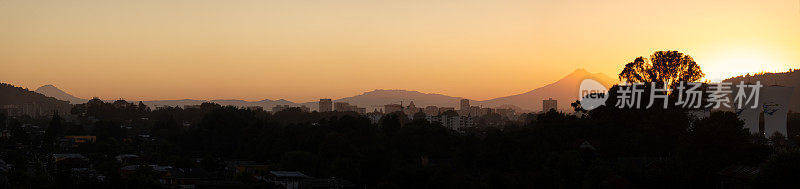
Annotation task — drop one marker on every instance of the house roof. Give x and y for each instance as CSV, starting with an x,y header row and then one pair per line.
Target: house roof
x,y
288,174
63,156
326,183
123,156
155,167
196,173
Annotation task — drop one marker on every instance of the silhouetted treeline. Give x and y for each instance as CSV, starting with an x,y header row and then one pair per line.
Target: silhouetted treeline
x,y
606,148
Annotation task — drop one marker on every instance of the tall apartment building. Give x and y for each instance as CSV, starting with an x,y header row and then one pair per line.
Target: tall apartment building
x,y
342,107
464,105
391,108
549,104
325,105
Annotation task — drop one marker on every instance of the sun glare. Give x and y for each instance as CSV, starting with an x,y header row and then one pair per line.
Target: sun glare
x,y
742,61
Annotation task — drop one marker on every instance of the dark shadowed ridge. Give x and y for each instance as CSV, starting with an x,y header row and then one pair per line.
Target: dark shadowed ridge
x,y
24,98
787,79
52,91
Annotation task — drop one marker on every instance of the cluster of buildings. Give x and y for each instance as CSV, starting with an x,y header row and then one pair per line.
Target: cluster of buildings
x,y
346,107
327,105
457,118
279,108
450,117
35,109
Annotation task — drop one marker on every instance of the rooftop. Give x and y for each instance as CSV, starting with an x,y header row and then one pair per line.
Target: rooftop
x,y
288,174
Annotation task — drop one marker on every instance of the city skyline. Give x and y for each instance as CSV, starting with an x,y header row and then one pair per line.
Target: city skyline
x,y
302,51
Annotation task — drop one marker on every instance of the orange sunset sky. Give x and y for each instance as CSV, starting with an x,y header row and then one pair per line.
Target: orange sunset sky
x,y
309,49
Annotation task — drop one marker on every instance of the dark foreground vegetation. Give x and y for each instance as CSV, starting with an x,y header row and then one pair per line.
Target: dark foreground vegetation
x,y
606,148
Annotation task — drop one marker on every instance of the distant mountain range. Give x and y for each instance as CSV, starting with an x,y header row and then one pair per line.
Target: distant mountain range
x,y
52,91
564,90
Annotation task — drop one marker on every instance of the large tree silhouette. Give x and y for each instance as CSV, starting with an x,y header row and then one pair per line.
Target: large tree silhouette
x,y
664,68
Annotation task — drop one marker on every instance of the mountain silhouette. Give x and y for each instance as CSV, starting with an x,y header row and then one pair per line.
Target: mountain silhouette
x,y
31,103
564,90
53,91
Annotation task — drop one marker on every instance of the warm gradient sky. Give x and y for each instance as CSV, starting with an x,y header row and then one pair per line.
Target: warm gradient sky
x,y
303,50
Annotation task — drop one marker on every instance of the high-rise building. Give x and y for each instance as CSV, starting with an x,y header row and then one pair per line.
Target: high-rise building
x,y
347,107
773,105
341,107
391,108
464,105
361,111
454,122
549,104
444,109
474,111
775,102
325,105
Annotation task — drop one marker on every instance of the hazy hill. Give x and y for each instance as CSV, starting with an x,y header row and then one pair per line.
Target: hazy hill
x,y
266,103
564,90
789,79
378,98
52,91
31,103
